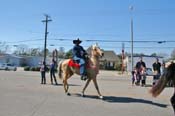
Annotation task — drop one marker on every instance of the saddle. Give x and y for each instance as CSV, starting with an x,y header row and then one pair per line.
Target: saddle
x,y
73,63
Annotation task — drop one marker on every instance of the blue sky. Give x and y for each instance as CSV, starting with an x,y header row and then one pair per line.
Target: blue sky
x,y
90,19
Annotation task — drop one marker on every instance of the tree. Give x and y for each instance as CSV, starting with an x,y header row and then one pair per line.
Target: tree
x,y
164,55
47,52
35,51
173,54
3,47
61,52
21,49
153,54
68,54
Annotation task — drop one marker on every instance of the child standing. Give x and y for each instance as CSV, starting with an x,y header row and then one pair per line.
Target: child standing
x,y
143,75
43,73
134,76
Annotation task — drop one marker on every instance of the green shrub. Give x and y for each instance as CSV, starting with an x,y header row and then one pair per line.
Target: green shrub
x,y
118,67
110,68
32,68
47,69
37,68
26,68
56,70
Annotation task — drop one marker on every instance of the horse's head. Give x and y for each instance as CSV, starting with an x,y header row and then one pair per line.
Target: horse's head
x,y
96,51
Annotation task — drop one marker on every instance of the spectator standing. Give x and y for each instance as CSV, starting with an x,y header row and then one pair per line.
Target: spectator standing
x,y
139,66
143,75
163,67
134,74
43,73
156,68
52,72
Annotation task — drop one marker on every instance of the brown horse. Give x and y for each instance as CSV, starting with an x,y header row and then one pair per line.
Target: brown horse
x,y
65,71
166,77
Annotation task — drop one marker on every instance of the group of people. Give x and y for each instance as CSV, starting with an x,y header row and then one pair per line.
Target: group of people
x,y
79,56
43,70
139,72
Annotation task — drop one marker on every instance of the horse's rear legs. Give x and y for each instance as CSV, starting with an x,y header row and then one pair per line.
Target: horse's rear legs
x,y
173,102
66,87
65,83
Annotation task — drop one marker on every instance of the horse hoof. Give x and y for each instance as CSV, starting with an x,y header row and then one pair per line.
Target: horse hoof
x,y
82,95
68,94
101,97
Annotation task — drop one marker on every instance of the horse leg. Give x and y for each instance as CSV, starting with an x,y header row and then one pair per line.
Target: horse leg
x,y
65,83
173,102
96,86
87,83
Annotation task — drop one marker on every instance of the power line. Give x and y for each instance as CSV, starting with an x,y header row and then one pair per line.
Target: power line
x,y
109,34
53,45
102,40
29,40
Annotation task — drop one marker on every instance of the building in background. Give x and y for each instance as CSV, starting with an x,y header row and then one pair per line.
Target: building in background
x,y
12,59
23,60
109,61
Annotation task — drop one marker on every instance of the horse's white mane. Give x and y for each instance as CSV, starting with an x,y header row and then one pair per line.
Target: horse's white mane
x,y
95,46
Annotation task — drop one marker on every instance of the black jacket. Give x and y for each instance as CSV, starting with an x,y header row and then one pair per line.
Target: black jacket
x,y
156,67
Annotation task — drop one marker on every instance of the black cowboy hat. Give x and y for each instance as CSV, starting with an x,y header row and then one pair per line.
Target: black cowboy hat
x,y
77,41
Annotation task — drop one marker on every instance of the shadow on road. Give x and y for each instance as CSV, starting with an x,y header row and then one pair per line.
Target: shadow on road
x,y
114,99
69,85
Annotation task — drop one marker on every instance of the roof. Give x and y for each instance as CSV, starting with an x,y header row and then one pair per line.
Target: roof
x,y
10,55
110,56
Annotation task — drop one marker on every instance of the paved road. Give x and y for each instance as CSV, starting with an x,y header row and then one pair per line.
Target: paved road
x,y
21,94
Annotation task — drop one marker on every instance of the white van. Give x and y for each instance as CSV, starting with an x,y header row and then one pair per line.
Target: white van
x,y
7,66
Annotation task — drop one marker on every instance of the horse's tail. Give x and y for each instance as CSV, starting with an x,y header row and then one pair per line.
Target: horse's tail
x,y
159,86
59,69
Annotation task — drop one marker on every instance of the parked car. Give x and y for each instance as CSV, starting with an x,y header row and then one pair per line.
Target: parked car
x,y
7,66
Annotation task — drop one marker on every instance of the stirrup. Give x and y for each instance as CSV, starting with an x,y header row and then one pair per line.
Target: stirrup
x,y
83,77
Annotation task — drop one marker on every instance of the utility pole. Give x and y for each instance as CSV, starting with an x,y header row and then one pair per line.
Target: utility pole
x,y
132,62
123,57
45,42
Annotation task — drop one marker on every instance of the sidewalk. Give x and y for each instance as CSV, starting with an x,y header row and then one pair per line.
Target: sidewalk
x,y
20,68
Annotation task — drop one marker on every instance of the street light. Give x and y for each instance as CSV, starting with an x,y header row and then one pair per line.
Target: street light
x,y
131,9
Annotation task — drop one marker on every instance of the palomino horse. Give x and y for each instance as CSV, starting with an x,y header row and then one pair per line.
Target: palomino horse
x,y
166,77
65,71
